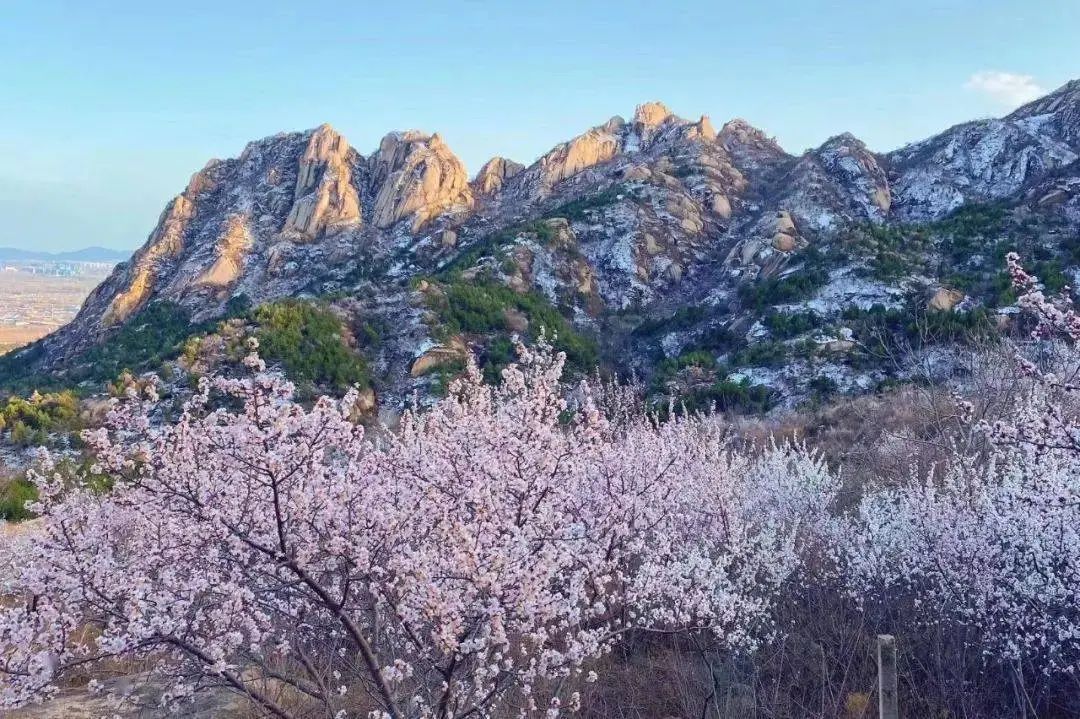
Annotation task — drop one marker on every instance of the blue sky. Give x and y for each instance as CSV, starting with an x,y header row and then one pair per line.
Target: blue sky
x,y
108,107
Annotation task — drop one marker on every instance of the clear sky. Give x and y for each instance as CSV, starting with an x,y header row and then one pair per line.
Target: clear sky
x,y
106,108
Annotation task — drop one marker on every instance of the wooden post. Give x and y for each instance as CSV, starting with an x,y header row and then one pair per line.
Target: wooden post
x,y
888,706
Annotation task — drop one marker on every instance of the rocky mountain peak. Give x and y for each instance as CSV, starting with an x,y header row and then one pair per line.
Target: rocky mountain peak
x,y
591,148
649,119
655,212
325,146
325,198
650,115
847,161
393,149
741,131
1065,98
416,177
494,174
987,159
705,127
1059,111
750,147
843,140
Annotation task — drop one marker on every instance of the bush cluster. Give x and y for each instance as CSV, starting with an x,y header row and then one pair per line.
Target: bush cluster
x,y
480,308
33,421
718,393
794,286
310,343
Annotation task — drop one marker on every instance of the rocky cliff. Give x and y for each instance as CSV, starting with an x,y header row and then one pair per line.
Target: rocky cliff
x,y
653,236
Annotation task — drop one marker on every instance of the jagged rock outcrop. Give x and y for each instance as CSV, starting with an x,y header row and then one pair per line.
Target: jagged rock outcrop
x,y
945,299
649,117
1058,194
720,205
837,183
494,174
786,237
705,128
751,149
452,352
232,249
165,242
418,179
325,198
847,160
598,145
1057,113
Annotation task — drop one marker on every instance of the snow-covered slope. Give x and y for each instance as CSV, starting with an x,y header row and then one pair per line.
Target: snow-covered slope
x,y
986,159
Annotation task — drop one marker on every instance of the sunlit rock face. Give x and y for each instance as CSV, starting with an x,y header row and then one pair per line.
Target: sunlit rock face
x,y
416,178
325,198
494,174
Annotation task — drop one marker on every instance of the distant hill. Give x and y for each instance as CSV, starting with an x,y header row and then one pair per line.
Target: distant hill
x,y
86,254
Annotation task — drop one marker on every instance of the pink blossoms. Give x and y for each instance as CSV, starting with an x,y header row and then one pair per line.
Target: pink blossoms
x,y
477,558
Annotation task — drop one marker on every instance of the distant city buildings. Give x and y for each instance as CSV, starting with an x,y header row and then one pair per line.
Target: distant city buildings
x,y
37,297
60,269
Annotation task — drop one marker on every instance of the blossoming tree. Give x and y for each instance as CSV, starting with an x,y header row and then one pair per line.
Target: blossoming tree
x,y
475,559
992,540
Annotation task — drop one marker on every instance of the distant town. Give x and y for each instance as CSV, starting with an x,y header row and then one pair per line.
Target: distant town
x,y
38,296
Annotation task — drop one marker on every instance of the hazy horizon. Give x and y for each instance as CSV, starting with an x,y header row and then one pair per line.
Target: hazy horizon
x,y
110,115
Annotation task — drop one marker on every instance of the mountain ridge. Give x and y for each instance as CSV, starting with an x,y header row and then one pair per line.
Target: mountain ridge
x,y
85,254
646,217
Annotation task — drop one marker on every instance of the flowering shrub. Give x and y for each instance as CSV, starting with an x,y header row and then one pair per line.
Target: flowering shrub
x,y
477,558
991,541
994,545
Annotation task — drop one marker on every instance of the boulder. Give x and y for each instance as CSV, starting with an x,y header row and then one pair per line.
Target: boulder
x,y
749,249
687,212
439,355
692,225
783,242
785,224
637,173
366,402
721,206
563,235
652,248
585,278
945,299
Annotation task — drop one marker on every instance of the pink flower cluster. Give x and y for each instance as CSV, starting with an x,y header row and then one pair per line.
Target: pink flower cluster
x,y
482,555
992,540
